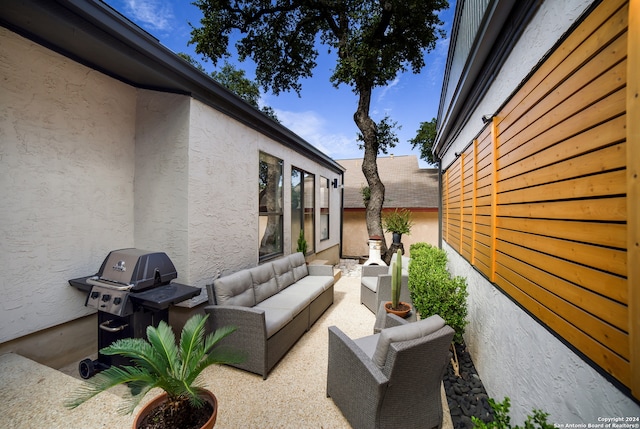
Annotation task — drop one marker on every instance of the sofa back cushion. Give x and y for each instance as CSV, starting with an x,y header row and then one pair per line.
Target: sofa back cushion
x,y
264,281
235,289
406,332
299,266
284,273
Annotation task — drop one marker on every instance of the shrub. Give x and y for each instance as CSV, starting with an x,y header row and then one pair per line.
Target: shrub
x,y
502,420
397,221
434,291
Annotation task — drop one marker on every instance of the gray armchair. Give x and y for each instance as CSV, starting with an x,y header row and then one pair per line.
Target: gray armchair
x,y
391,379
375,285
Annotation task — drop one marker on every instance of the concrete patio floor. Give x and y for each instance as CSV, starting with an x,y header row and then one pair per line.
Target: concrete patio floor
x,y
293,396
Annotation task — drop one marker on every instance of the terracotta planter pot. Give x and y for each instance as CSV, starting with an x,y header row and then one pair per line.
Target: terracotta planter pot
x,y
205,394
404,311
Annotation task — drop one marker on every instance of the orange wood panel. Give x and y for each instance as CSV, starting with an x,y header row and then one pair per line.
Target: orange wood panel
x,y
597,185
609,285
524,278
608,360
591,24
603,234
633,190
605,134
604,209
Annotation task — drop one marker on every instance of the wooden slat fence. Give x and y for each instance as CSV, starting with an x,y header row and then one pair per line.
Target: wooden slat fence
x,y
538,201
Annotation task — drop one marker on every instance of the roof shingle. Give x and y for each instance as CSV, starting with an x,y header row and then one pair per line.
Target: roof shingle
x,y
406,184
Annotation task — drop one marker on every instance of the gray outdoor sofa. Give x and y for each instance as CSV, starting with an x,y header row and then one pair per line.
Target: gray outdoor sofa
x,y
375,285
272,305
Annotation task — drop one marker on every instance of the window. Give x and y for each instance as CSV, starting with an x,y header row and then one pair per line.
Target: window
x,y
302,208
324,208
270,206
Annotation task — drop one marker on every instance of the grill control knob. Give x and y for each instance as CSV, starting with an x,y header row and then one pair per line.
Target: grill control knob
x,y
117,300
95,295
106,297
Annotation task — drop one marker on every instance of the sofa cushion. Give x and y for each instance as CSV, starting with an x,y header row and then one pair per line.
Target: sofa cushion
x,y
284,273
313,281
275,319
304,293
298,265
284,301
235,289
406,332
264,281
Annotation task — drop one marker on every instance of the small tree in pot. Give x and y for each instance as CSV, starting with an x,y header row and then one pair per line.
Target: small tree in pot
x,y
397,222
160,362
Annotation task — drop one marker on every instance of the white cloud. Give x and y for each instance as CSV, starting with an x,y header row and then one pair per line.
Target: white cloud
x,y
152,14
316,130
384,90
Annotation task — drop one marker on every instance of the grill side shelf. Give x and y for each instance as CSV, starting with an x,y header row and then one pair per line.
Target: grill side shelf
x,y
162,297
81,283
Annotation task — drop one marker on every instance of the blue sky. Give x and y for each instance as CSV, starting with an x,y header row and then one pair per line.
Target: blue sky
x,y
322,115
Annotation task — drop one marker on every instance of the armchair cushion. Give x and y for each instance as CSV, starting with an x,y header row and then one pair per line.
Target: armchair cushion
x,y
370,282
409,331
368,344
235,289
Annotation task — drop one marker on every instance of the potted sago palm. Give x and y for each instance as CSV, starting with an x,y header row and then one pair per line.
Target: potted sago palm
x,y
174,368
395,306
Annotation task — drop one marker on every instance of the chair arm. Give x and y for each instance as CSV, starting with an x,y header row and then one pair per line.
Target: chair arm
x,y
320,270
393,320
250,336
374,270
355,383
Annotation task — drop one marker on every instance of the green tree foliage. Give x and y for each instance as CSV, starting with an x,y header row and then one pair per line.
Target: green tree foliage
x,y
236,81
374,42
425,138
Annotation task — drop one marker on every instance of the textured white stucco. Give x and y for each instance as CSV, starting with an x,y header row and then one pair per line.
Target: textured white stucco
x,y
89,164
66,181
516,356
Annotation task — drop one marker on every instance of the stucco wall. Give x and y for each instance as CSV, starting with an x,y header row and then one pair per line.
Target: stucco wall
x,y
514,355
66,181
517,357
355,235
161,176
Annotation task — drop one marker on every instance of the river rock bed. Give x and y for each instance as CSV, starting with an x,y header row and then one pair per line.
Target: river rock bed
x,y
466,395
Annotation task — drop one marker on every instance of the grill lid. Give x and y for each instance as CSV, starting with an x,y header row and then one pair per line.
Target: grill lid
x,y
135,270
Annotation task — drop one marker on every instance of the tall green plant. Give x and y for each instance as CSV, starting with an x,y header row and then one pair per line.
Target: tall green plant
x,y
302,243
434,291
396,280
160,362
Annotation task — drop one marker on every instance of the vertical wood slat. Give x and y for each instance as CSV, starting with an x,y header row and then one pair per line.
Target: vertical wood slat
x,y
461,200
474,202
633,190
494,193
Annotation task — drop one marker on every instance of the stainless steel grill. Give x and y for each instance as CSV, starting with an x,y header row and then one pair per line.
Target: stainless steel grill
x,y
132,290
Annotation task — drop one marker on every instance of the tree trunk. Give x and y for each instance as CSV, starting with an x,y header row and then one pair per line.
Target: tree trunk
x,y
367,127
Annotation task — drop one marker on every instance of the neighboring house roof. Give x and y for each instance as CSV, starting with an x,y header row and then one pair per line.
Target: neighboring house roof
x,y
406,184
92,33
